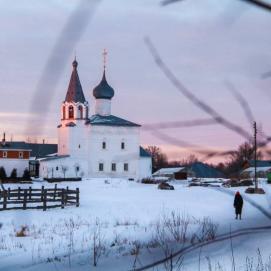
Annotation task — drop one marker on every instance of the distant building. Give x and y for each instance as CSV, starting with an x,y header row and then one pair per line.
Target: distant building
x,y
197,170
202,170
262,170
20,155
177,173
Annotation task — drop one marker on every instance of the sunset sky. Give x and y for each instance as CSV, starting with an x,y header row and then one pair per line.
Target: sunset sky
x,y
206,43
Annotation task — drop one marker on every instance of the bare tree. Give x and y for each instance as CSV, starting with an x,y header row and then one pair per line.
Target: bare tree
x,y
64,169
76,169
159,159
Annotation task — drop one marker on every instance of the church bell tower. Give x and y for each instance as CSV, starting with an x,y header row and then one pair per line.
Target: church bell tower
x,y
74,113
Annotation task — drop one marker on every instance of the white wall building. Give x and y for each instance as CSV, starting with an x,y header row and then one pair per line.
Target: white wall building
x,y
101,145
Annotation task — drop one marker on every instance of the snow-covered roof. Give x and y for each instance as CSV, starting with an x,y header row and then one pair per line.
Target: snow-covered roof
x,y
258,169
47,158
169,170
110,121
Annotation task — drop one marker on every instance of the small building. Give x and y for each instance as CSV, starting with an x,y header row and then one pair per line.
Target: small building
x,y
177,173
201,170
259,163
261,172
14,155
21,155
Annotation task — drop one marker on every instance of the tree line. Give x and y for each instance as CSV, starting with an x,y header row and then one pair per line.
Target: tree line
x,y
230,167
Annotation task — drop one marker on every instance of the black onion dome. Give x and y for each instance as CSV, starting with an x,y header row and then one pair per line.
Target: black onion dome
x,y
103,90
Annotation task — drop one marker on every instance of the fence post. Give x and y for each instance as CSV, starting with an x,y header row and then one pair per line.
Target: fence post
x,y
30,192
62,198
55,191
5,199
25,199
19,192
42,192
44,199
9,193
66,195
77,197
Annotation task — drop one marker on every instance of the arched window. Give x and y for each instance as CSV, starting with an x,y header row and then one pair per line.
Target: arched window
x,y
80,109
71,113
63,112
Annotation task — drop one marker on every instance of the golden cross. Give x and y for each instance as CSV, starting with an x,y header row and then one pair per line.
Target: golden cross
x,y
104,56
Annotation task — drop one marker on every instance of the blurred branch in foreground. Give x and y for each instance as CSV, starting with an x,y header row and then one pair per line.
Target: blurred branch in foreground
x,y
63,48
258,3
190,96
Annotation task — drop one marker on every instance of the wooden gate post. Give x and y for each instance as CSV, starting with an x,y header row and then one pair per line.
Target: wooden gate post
x,y
77,197
9,193
30,192
25,199
4,199
42,192
62,198
44,199
55,191
19,192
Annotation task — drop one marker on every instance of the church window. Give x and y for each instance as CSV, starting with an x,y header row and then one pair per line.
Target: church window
x,y
125,167
5,154
104,145
113,167
63,112
71,113
101,167
122,145
80,109
21,154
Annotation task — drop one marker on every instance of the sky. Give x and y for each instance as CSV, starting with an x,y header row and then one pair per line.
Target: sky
x,y
205,43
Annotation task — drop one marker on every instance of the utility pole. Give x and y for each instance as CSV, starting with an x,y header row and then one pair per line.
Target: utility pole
x,y
255,155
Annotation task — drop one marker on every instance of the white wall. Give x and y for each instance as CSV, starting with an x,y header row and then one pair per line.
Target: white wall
x,y
103,107
113,136
145,167
48,168
10,164
74,140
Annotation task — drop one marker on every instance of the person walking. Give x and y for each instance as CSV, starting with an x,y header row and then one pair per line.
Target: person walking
x,y
238,204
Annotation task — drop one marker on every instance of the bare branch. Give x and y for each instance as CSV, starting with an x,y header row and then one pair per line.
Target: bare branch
x,y
189,95
179,124
242,101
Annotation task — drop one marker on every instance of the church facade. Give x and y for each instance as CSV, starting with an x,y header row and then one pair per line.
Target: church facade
x,y
97,145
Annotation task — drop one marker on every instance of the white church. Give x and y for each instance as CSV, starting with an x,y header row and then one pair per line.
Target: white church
x,y
100,145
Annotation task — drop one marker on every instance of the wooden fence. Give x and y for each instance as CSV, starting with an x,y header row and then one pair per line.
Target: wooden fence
x,y
44,198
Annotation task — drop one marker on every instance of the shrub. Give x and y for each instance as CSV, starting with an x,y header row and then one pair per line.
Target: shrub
x,y
149,181
3,174
13,174
26,174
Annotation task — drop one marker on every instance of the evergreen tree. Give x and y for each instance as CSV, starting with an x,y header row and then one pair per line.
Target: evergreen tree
x,y
3,174
26,174
13,174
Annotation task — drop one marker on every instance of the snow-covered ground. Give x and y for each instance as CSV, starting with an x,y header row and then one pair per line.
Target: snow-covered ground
x,y
126,215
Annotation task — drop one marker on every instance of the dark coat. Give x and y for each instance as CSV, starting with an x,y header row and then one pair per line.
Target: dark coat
x,y
238,204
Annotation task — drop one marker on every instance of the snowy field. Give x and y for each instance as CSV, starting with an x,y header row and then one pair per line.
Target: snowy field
x,y
133,225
